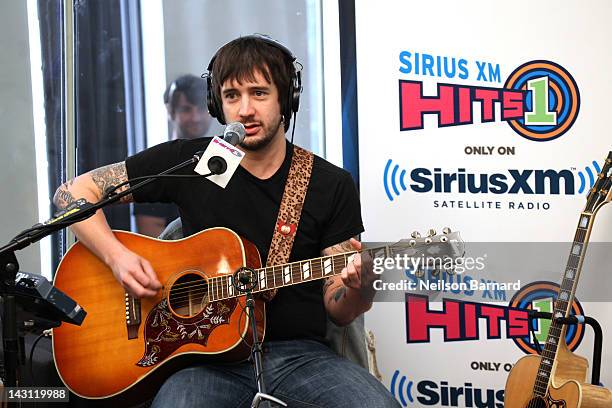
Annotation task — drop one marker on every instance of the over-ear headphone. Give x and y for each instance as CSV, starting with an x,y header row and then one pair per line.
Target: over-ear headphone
x,y
289,104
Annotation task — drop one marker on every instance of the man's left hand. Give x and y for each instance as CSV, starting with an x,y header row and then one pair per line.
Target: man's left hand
x,y
358,274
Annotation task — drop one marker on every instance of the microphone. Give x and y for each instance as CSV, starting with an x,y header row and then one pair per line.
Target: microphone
x,y
221,157
234,133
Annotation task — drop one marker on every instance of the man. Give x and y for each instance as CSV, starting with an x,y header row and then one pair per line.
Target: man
x,y
185,100
251,79
185,103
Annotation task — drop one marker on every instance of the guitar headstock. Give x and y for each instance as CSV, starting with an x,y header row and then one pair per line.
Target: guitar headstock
x,y
447,245
601,193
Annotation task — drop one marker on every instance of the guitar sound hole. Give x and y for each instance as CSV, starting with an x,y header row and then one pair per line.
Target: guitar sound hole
x,y
188,295
536,402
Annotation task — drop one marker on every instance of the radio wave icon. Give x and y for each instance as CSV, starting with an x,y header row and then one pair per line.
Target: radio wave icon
x,y
591,175
391,179
404,388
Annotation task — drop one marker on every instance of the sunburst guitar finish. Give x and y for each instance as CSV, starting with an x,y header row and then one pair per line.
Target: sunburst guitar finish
x,y
126,347
123,340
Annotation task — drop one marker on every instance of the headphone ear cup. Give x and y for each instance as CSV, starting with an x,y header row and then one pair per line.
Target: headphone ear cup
x,y
209,102
293,99
296,89
287,106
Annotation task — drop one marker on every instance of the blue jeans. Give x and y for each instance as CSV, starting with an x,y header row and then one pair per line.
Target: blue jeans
x,y
302,373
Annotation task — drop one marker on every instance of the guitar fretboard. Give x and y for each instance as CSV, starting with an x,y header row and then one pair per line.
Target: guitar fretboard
x,y
563,302
223,286
274,277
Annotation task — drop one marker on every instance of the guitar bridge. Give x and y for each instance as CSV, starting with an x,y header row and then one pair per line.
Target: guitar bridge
x,y
132,316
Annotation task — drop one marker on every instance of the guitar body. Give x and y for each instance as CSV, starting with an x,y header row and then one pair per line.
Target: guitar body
x,y
568,388
111,353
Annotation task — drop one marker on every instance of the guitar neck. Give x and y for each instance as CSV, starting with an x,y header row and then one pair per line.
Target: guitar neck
x,y
449,244
278,276
599,195
564,301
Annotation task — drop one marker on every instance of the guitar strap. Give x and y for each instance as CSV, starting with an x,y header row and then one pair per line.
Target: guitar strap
x,y
290,211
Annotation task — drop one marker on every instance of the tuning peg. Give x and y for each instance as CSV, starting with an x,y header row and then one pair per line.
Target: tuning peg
x,y
443,239
431,233
415,234
446,230
412,242
428,240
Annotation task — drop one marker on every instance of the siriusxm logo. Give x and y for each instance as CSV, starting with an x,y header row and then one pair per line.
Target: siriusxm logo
x,y
512,181
430,393
591,175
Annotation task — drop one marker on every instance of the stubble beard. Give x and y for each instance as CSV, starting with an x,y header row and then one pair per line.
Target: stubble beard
x,y
258,144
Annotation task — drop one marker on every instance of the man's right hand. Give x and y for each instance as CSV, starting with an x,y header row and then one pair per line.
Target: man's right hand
x,y
132,271
135,274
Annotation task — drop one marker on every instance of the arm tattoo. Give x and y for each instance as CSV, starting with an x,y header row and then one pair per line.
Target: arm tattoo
x,y
62,197
340,292
339,248
109,176
344,246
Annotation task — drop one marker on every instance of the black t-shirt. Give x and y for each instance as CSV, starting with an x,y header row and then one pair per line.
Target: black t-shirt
x,y
168,212
249,206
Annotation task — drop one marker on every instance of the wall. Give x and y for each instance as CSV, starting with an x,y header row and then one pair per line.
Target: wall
x,y
19,205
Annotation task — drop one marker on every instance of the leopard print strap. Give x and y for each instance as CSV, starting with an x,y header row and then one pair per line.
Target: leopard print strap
x,y
290,210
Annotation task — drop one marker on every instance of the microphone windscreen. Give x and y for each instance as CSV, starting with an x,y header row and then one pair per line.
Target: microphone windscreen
x,y
234,133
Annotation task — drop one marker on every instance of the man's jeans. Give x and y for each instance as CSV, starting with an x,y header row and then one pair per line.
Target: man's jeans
x,y
302,373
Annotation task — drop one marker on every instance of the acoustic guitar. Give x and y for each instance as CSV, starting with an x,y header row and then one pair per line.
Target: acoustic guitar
x,y
126,346
557,378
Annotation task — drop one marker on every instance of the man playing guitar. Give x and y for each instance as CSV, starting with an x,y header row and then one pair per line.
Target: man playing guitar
x,y
253,81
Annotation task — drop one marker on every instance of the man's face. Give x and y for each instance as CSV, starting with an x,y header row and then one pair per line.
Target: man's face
x,y
255,105
192,121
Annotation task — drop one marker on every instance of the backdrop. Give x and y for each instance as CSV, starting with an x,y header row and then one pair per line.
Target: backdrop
x,y
489,118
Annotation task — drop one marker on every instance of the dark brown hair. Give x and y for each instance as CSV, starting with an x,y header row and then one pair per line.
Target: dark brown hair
x,y
239,59
191,86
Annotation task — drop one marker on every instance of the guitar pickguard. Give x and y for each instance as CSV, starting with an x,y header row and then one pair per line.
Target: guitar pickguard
x,y
555,403
545,402
164,332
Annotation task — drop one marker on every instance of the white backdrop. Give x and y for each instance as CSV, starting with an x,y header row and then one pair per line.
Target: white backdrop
x,y
503,36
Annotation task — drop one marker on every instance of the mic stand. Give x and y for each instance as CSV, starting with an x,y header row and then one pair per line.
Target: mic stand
x,y
245,281
9,266
574,320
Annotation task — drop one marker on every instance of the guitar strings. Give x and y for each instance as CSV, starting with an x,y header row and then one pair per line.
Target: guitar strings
x,y
295,267
217,286
220,283
217,289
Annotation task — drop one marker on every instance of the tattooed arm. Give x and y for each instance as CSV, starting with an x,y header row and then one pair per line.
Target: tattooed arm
x,y
349,294
133,272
